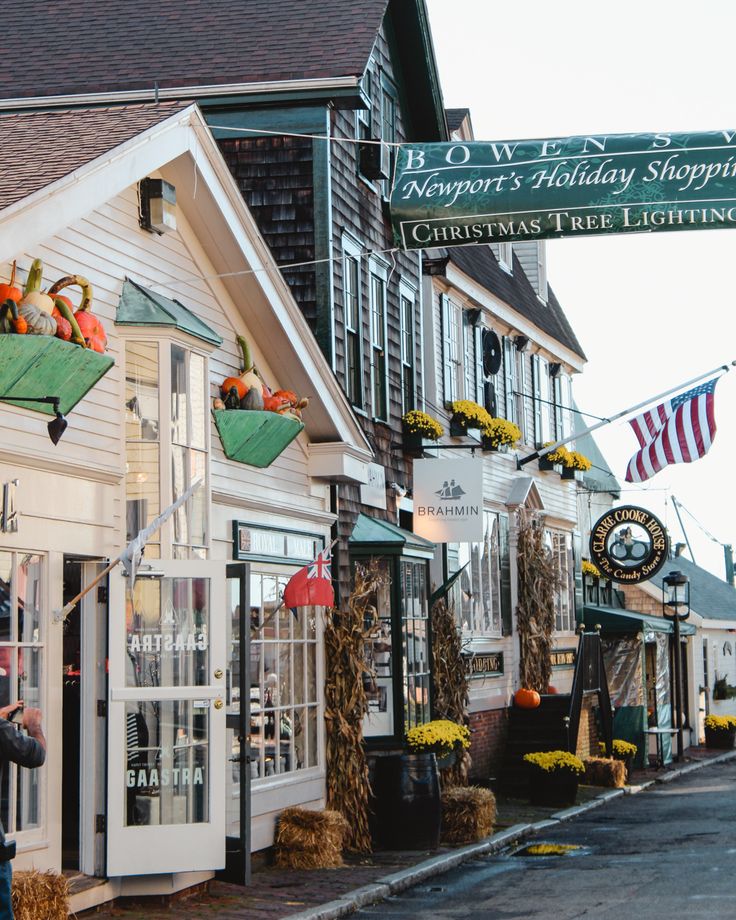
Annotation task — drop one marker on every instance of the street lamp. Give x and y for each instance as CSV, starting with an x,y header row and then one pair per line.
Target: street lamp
x,y
57,426
676,595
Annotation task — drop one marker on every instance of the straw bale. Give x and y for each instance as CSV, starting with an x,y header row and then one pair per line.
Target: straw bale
x,y
468,813
604,771
40,895
307,839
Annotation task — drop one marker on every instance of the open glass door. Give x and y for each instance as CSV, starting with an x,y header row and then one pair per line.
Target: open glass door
x,y
166,763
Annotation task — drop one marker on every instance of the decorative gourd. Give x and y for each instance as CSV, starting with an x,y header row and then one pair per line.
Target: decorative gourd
x,y
217,403
9,319
11,291
40,322
253,399
89,325
63,328
248,377
63,311
275,404
32,294
527,699
232,400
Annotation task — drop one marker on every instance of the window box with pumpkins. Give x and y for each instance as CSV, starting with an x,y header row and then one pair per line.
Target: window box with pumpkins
x,y
553,777
500,435
720,732
255,425
49,348
466,416
418,427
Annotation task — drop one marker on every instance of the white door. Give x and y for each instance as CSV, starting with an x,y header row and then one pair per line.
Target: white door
x,y
166,748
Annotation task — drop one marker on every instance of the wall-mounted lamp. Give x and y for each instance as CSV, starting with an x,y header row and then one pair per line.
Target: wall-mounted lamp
x,y
157,205
57,426
521,343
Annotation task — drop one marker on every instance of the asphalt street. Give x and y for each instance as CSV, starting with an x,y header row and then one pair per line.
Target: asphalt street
x,y
666,853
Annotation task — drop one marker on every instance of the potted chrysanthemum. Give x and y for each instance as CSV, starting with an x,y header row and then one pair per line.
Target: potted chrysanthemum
x,y
720,731
419,427
467,415
553,777
554,459
500,435
622,750
574,464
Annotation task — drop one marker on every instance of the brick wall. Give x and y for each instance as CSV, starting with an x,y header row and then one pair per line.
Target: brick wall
x,y
488,740
588,732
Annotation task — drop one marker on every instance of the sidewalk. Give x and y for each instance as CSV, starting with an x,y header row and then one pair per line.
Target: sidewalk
x,y
330,893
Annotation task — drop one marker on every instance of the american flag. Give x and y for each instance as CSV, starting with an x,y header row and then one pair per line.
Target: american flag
x,y
679,430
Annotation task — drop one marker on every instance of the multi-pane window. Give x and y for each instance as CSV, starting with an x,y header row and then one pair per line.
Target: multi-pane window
x,y
477,592
379,363
560,545
364,128
451,356
406,308
510,379
174,378
506,255
389,133
353,323
285,712
21,666
415,629
469,376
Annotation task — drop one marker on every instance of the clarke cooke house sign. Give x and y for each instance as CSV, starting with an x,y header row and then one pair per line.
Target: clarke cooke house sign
x,y
460,193
629,544
448,500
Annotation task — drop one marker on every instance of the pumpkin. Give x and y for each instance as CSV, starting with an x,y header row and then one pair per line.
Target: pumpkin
x,y
40,322
9,319
275,404
551,689
90,327
248,377
11,291
527,699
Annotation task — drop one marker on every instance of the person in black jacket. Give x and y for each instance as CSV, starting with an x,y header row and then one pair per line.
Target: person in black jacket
x,y
27,750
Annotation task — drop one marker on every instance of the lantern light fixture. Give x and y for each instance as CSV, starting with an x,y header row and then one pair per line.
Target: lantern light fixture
x,y
57,426
157,205
676,597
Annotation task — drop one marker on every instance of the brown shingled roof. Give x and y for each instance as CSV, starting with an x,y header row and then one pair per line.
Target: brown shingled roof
x,y
40,147
88,46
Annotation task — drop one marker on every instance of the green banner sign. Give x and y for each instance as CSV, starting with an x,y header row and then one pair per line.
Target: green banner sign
x,y
460,193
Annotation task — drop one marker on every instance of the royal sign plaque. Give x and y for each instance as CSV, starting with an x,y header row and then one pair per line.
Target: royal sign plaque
x,y
629,544
502,191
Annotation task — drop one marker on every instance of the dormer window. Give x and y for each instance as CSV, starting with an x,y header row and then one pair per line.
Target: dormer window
x,y
506,256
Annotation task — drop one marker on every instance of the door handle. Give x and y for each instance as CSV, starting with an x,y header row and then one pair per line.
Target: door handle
x,y
219,704
218,673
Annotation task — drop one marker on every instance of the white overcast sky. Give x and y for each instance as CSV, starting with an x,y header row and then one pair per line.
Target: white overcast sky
x,y
650,310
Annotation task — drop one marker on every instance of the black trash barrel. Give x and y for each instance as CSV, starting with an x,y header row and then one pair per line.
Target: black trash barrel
x,y
407,805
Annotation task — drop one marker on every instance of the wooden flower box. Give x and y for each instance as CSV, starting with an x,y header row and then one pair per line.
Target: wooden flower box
x,y
42,365
255,437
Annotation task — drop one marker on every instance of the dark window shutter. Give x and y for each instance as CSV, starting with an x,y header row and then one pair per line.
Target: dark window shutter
x,y
577,557
503,548
446,369
479,376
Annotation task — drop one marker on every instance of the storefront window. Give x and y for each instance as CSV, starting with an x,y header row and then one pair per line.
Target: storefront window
x,y
284,698
415,629
560,544
378,684
21,660
476,594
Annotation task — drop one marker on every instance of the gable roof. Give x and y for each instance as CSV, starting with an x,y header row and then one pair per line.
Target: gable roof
x,y
710,597
41,147
130,45
479,263
140,306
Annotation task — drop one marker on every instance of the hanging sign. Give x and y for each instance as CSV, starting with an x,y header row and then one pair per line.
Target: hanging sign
x,y
373,492
460,193
448,500
629,544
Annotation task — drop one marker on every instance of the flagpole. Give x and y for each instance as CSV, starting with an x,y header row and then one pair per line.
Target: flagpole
x,y
607,421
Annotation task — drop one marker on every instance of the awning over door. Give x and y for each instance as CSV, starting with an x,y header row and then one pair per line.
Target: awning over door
x,y
375,537
624,622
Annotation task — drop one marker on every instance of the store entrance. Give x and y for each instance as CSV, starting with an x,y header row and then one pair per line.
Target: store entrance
x,y
84,691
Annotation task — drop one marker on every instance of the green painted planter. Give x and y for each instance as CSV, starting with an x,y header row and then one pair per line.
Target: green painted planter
x,y
254,437
42,365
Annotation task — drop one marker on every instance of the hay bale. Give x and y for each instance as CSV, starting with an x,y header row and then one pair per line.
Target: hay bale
x,y
307,839
468,813
604,771
40,895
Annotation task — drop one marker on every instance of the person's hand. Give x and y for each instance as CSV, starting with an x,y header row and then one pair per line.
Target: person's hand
x,y
7,711
31,720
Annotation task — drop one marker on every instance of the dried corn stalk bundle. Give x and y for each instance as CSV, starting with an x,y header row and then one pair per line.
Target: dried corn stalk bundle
x,y
539,577
450,682
348,787
40,895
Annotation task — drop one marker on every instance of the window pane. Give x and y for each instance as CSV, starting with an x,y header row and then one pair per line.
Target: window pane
x,y
6,595
178,487
29,598
197,504
179,396
167,762
141,391
198,401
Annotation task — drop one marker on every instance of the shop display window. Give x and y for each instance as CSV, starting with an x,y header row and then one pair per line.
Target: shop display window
x,y
560,544
379,683
416,643
285,708
21,660
476,594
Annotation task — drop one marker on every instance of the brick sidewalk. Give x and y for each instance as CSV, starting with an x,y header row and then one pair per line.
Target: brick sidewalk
x,y
278,893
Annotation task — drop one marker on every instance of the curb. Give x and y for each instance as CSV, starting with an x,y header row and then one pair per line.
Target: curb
x,y
437,865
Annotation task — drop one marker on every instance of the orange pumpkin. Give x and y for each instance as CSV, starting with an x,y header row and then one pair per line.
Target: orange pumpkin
x,y
551,689
527,699
90,326
10,291
229,382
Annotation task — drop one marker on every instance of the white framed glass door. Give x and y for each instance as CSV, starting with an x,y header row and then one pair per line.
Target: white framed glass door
x,y
166,748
